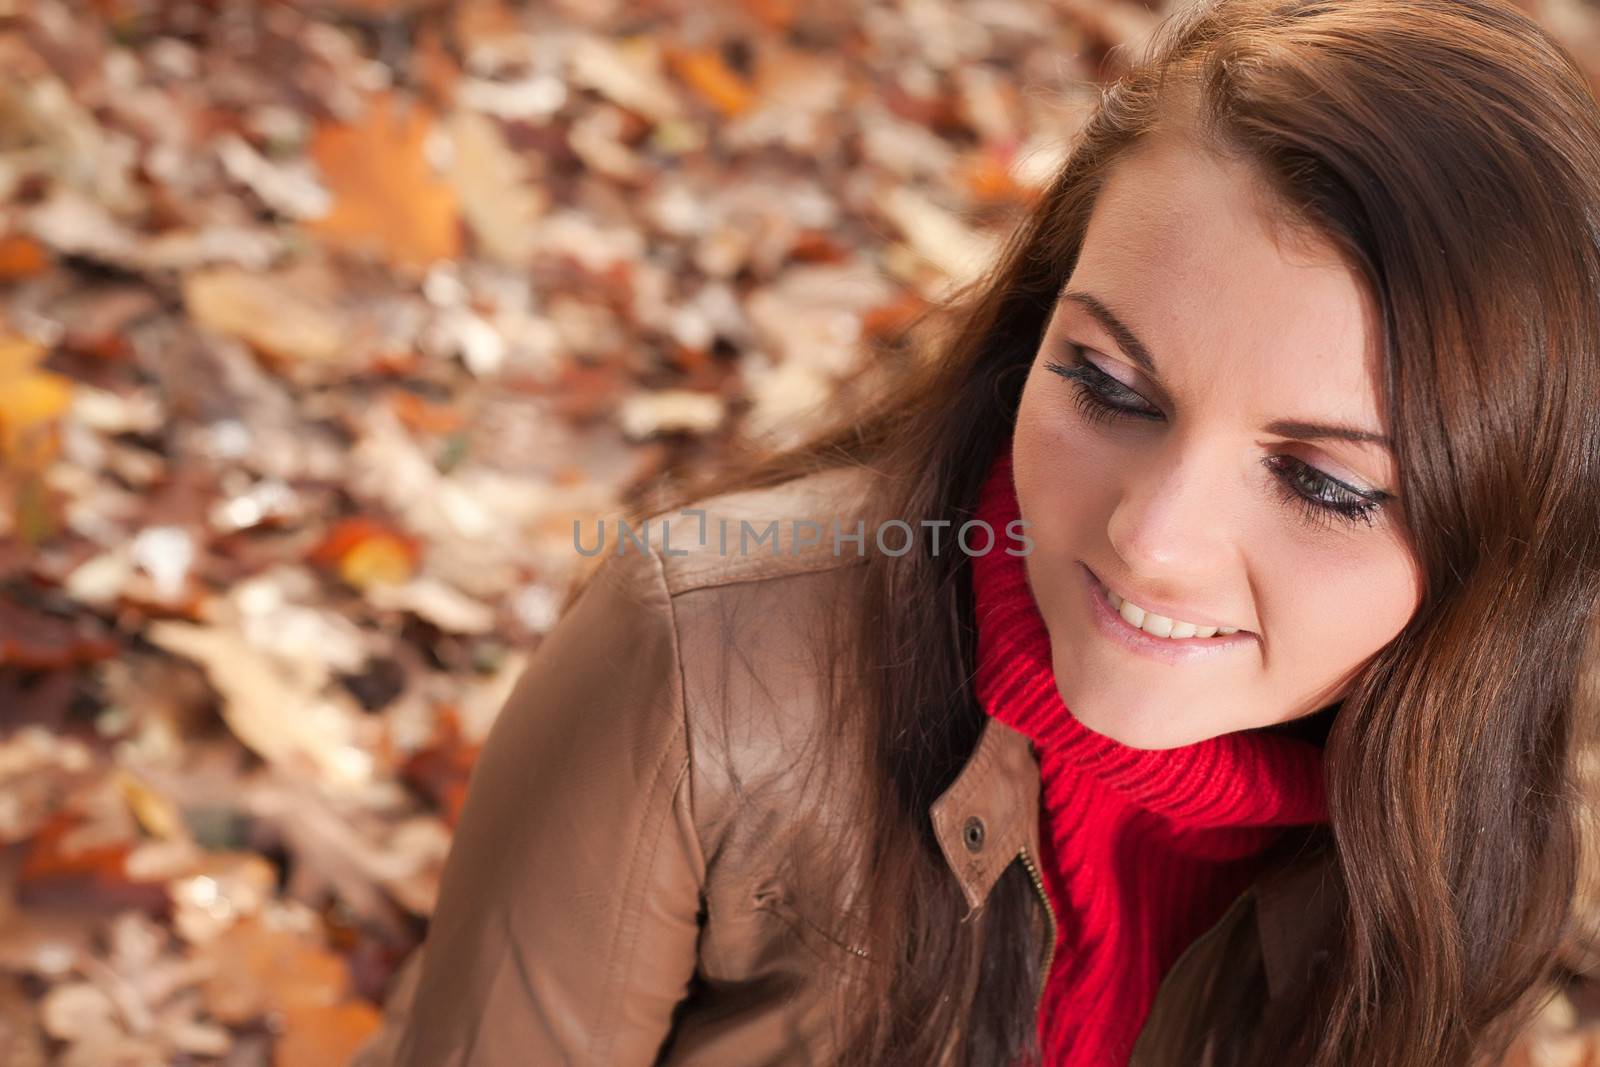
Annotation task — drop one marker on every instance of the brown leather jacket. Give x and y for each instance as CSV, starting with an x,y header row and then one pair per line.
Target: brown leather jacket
x,y
616,893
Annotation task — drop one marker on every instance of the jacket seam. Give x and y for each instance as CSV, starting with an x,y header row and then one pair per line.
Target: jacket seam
x,y
794,920
649,836
681,685
715,581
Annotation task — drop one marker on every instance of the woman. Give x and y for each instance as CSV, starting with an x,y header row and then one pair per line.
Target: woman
x,y
1255,747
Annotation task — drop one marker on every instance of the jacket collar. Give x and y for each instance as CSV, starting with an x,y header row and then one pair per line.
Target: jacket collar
x,y
990,812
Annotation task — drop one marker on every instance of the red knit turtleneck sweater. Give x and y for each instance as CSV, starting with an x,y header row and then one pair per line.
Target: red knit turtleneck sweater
x,y
1143,850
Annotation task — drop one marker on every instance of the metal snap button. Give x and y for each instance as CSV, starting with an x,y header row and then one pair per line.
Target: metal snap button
x,y
972,833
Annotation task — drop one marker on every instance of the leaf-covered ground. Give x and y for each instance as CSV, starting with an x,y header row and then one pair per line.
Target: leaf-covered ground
x,y
320,323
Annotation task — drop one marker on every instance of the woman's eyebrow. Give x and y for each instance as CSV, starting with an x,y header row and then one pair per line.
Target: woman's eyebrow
x,y
1298,429
1325,431
1126,339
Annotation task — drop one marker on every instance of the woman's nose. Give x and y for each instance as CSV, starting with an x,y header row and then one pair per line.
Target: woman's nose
x,y
1176,516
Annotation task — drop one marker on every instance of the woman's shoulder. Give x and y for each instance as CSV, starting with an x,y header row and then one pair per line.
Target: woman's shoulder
x,y
759,583
725,571
639,769
749,573
735,595
756,586
758,579
812,522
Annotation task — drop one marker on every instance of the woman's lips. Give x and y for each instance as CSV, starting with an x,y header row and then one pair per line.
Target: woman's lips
x,y
1110,623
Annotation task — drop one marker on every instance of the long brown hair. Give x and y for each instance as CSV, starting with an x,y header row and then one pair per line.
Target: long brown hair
x,y
1451,150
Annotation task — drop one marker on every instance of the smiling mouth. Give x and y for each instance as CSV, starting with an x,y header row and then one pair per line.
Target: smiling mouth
x,y
1159,627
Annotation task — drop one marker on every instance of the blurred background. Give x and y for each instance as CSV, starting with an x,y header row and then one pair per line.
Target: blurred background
x,y
320,324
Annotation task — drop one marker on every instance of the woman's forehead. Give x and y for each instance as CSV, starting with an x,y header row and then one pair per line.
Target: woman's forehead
x,y
1180,251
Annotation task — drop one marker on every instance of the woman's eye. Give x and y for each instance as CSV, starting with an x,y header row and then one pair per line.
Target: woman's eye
x,y
1099,395
1318,498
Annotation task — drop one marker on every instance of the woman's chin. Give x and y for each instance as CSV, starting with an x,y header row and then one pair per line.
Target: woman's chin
x,y
1140,729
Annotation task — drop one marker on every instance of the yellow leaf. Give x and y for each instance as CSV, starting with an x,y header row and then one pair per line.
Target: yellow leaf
x,y
367,552
156,813
376,561
35,518
31,403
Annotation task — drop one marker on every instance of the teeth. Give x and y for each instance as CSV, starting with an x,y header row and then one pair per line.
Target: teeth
x,y
1160,625
1149,622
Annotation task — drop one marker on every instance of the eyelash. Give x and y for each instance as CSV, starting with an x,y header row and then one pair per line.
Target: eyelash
x,y
1092,395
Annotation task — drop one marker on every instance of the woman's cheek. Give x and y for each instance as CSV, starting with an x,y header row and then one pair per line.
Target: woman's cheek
x,y
1327,610
1073,477
1057,457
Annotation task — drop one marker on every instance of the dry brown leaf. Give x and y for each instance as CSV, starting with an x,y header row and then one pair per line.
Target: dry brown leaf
x,y
271,315
424,416
774,14
56,873
265,708
498,201
22,1044
438,602
40,642
627,73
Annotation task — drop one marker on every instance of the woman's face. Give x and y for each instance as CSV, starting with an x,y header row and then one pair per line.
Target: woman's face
x,y
1206,498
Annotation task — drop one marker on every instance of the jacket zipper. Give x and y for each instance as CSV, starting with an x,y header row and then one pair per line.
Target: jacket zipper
x,y
1050,913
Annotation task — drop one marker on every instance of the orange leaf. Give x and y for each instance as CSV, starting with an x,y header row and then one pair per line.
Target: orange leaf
x,y
706,73
40,642
387,199
818,246
366,552
888,320
423,416
21,257
773,14
378,561
442,768
36,510
50,855
32,402
260,968
989,179
329,1035
436,68
57,873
